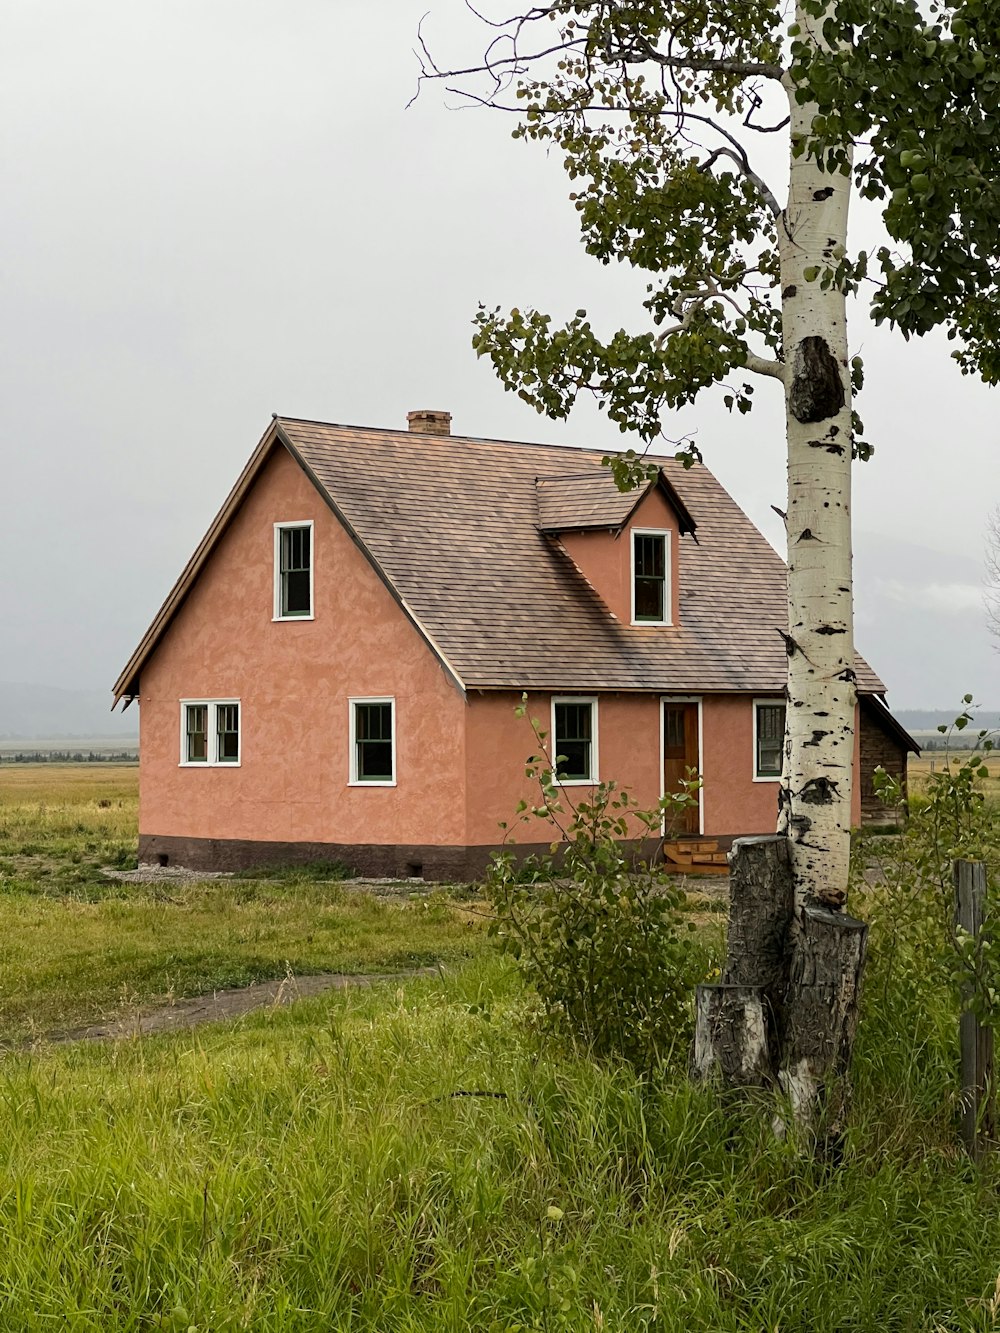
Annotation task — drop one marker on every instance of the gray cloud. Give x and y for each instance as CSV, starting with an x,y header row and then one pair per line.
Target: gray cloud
x,y
213,212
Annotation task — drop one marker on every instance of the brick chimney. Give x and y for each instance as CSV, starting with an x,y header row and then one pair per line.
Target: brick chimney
x,y
429,423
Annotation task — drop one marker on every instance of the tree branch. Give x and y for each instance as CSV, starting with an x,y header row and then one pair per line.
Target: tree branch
x,y
747,69
639,50
762,365
743,162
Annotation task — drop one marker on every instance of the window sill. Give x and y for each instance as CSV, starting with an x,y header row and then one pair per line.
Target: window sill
x,y
758,777
653,624
290,620
576,782
360,782
195,764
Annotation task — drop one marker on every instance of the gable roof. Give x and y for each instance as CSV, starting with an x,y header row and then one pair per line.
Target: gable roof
x,y
451,525
591,499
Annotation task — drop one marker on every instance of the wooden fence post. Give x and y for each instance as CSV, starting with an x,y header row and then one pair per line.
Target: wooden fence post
x,y
976,1040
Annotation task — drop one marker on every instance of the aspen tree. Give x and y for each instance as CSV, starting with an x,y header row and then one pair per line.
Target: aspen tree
x,y
659,110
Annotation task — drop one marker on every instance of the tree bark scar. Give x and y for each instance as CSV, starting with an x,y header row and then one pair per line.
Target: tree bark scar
x,y
789,292
790,645
817,737
825,193
829,629
828,445
806,535
818,791
817,391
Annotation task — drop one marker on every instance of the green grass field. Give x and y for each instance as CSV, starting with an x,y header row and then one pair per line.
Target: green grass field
x,y
79,947
410,1158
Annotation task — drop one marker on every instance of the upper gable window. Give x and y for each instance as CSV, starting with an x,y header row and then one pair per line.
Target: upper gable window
x,y
650,577
293,570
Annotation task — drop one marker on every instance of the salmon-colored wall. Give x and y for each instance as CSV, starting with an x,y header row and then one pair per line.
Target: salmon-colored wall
x,y
606,560
628,752
498,743
734,801
293,680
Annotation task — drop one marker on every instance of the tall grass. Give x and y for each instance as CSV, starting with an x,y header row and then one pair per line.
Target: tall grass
x,y
316,1169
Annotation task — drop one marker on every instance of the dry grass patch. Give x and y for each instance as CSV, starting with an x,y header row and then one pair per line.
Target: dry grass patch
x,y
920,767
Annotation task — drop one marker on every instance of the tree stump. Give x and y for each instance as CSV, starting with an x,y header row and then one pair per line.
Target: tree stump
x,y
826,958
761,902
735,1033
731,1044
786,1011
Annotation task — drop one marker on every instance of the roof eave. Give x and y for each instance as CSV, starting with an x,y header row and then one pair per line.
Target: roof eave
x,y
366,551
128,683
886,720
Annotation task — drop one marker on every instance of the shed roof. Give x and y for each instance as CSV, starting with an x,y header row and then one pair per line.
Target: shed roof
x,y
453,526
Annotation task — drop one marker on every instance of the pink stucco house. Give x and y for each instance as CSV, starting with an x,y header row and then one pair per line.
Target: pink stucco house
x,y
336,671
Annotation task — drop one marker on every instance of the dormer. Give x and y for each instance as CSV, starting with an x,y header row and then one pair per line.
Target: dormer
x,y
625,544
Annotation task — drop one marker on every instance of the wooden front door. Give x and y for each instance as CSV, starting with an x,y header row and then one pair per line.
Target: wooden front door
x,y
680,754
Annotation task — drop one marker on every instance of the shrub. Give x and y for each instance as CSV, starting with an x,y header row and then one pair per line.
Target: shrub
x,y
596,929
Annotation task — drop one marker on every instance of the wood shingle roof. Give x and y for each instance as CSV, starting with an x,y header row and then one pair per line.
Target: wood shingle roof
x,y
453,523
456,528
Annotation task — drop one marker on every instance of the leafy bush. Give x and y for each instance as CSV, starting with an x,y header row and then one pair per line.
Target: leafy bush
x,y
916,951
596,929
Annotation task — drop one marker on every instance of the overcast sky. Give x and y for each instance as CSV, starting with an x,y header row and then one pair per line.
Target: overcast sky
x,y
213,210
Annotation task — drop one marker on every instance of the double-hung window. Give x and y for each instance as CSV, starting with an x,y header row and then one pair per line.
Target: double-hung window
x,y
574,740
293,570
210,732
373,742
768,738
650,577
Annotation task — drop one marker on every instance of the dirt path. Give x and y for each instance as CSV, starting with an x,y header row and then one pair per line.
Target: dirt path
x,y
227,1004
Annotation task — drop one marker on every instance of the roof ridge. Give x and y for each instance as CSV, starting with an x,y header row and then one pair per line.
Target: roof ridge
x,y
406,433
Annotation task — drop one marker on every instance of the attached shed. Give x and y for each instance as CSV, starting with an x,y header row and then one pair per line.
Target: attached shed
x,y
883,743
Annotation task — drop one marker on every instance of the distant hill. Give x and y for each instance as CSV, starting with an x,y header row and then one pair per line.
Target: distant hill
x,y
929,719
40,712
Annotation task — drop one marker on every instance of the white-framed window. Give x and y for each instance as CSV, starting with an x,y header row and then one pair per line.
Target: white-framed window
x,y
373,742
293,570
768,739
210,733
574,740
651,576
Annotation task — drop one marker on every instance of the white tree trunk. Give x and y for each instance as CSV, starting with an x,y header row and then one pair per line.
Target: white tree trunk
x,y
818,768
800,952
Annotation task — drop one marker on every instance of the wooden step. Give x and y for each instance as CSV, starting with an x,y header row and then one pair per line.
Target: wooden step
x,y
699,856
675,854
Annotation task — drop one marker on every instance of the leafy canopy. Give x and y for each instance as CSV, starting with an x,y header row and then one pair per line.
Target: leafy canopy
x,y
656,109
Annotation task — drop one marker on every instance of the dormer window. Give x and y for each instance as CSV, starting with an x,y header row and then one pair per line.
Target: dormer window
x,y
293,571
650,577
